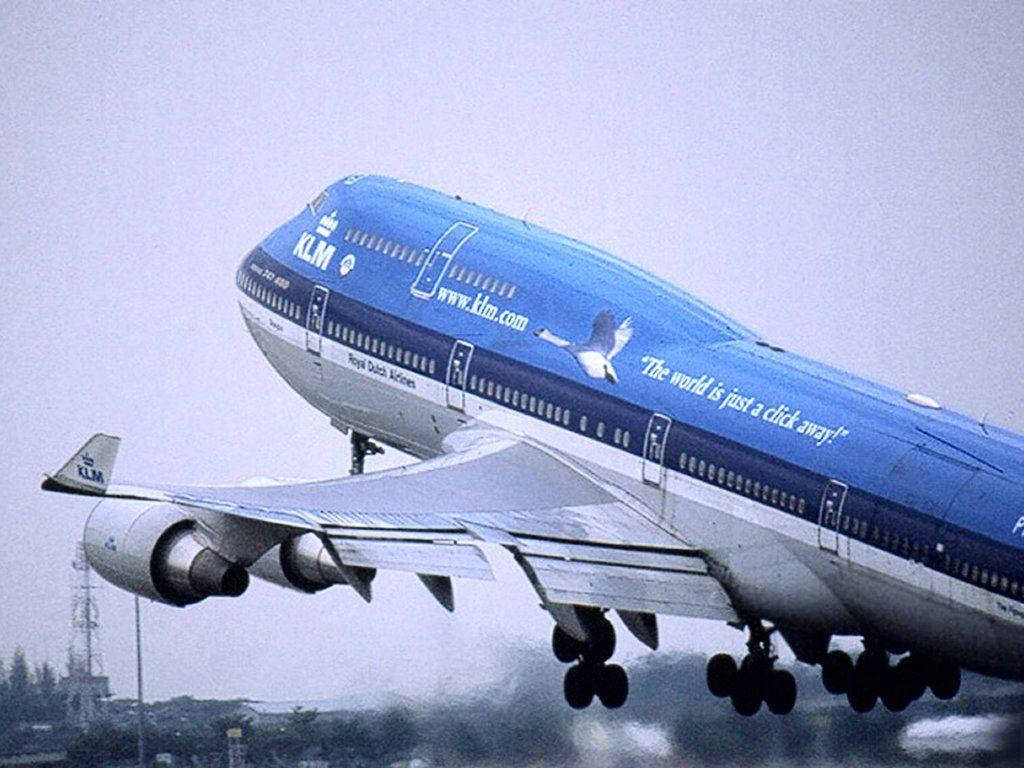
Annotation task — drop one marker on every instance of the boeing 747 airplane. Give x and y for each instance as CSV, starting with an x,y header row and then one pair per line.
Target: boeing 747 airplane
x,y
636,451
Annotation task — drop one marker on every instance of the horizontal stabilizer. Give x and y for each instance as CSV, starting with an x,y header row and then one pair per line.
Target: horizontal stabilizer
x,y
89,470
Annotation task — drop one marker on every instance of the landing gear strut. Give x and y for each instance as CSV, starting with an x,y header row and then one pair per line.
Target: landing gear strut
x,y
590,676
362,446
755,680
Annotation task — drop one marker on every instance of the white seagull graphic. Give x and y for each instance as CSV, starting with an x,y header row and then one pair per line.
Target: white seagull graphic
x,y
606,341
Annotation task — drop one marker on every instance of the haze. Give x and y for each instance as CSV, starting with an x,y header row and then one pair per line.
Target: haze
x,y
845,179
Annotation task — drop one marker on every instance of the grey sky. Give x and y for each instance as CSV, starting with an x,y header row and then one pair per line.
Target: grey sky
x,y
846,179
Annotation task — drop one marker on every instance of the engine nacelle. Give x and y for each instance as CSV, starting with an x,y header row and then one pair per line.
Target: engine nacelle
x,y
151,549
302,562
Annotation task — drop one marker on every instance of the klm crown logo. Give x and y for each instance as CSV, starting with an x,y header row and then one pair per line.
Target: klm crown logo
x,y
328,223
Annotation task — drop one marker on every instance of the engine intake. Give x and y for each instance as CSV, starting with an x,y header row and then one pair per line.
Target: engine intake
x,y
152,550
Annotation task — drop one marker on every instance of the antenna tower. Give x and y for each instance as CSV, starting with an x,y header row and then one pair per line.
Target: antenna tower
x,y
85,685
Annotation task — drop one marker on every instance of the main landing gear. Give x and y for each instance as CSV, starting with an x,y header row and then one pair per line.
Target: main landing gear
x,y
872,678
362,446
590,675
755,680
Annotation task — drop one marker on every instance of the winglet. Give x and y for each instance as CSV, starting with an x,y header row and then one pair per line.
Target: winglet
x,y
89,470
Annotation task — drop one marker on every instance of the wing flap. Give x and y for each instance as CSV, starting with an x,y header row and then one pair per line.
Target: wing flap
x,y
625,588
624,578
432,558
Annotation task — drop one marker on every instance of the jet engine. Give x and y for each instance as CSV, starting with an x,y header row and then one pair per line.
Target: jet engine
x,y
151,549
302,563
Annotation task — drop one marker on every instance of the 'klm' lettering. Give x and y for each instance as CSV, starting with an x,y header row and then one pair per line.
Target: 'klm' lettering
x,y
313,251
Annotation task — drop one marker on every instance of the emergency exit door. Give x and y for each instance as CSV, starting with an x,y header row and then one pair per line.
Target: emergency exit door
x,y
458,374
654,449
315,319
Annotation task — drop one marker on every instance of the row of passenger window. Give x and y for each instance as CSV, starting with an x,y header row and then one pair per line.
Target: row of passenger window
x,y
269,297
989,579
735,481
415,256
381,348
850,525
538,406
474,279
911,549
380,244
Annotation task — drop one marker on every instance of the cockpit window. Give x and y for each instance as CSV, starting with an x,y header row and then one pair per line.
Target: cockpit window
x,y
318,202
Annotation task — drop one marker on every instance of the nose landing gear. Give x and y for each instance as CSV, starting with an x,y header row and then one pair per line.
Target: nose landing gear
x,y
590,676
362,446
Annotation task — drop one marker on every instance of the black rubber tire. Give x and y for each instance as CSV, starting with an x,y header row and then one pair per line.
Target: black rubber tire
x,y
870,669
861,694
748,691
567,648
612,686
915,675
578,686
721,675
780,692
944,680
602,642
836,671
895,691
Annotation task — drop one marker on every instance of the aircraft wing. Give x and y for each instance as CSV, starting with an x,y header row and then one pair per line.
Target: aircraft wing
x,y
580,540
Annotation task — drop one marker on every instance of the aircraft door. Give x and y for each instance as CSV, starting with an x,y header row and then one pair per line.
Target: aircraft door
x,y
440,256
655,440
830,515
315,319
458,375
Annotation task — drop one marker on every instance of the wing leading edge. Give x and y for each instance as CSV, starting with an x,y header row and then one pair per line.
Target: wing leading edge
x,y
580,540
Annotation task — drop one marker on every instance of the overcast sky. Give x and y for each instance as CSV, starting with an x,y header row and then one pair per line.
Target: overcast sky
x,y
846,179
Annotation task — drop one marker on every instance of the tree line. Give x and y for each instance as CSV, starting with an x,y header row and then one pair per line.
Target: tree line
x,y
28,694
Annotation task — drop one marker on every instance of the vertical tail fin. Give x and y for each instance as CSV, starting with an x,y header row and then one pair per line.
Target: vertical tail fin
x,y
89,470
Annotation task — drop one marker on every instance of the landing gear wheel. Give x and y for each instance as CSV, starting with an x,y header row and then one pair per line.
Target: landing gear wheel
x,y
944,680
861,694
915,675
578,686
612,686
836,671
862,699
566,647
871,668
748,690
895,692
780,692
868,675
721,674
602,642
